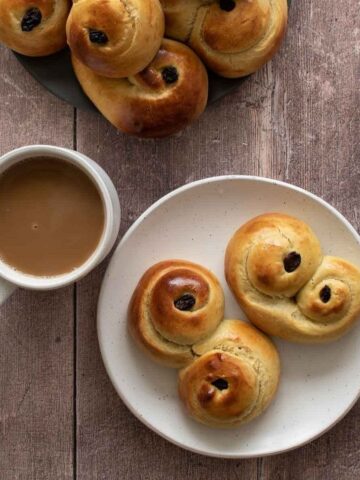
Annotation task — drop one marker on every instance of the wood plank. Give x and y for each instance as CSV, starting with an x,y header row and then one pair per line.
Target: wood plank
x,y
315,144
36,329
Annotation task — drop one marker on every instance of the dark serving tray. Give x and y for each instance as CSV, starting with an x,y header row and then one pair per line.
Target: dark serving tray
x,y
55,73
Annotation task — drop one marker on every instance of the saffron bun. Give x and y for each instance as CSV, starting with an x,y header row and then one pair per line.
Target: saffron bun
x,y
175,304
234,378
161,100
115,38
275,267
234,38
35,28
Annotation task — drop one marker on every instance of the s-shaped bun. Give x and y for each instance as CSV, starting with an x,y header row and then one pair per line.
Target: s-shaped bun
x,y
234,378
276,270
161,100
175,304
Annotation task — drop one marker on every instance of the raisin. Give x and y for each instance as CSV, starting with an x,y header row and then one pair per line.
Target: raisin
x,y
186,302
170,74
220,384
227,5
292,261
31,19
97,36
325,294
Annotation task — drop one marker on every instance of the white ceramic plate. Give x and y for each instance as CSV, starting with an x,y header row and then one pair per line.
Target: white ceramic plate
x,y
319,383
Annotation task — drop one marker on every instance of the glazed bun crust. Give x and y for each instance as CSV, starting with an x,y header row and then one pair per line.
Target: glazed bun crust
x,y
175,304
234,378
115,38
35,28
331,298
275,268
159,101
233,37
280,252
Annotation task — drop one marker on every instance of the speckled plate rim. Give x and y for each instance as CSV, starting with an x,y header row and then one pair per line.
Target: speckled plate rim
x,y
104,286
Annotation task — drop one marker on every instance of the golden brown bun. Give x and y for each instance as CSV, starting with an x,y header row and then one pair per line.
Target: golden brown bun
x,y
317,301
115,38
233,37
175,304
235,377
161,100
35,28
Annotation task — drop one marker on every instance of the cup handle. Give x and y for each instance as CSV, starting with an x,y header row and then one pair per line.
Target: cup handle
x,y
6,289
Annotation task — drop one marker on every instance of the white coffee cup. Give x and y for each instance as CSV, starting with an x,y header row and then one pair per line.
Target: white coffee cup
x,y
10,278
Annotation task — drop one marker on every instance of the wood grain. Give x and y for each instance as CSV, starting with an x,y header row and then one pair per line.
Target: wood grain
x,y
36,329
316,145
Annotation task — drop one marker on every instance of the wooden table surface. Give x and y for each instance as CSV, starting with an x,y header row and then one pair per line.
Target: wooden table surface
x,y
296,120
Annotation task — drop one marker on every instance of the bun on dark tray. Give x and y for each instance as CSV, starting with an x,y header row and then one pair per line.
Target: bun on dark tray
x,y
165,97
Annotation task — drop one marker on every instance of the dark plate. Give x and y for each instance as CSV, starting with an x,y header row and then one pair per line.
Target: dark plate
x,y
55,73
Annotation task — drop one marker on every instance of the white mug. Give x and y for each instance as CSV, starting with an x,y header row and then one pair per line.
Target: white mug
x,y
10,278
